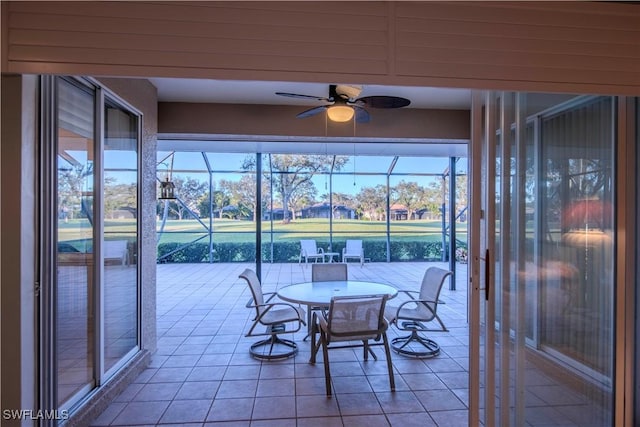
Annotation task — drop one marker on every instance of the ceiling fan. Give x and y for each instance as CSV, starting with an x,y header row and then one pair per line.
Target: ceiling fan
x,y
343,103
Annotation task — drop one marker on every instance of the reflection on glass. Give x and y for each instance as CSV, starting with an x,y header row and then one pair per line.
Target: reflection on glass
x,y
75,242
578,207
561,275
120,234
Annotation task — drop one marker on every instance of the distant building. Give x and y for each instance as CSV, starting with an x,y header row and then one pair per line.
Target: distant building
x,y
275,214
427,214
323,210
125,212
398,212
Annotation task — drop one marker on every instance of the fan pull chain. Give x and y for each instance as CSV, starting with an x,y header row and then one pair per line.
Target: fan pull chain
x,y
354,164
354,152
326,144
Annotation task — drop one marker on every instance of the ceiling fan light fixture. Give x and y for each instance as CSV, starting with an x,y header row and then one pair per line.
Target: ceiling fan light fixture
x,y
340,113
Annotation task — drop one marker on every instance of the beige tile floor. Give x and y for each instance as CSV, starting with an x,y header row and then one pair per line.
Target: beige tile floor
x,y
202,373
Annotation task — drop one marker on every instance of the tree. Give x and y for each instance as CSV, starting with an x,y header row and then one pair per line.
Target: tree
x,y
244,194
462,197
437,193
433,198
372,202
292,173
190,192
220,201
340,199
222,197
409,194
72,183
119,196
304,195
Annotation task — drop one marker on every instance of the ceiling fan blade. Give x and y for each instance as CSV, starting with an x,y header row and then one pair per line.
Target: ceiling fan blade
x,y
362,115
312,111
297,95
384,101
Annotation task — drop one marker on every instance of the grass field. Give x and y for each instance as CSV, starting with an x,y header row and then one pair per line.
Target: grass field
x,y
244,231
226,230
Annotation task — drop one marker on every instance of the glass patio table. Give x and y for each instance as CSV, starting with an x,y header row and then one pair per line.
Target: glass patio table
x,y
319,294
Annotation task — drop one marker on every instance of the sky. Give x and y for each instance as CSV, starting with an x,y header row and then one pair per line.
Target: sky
x,y
355,175
192,164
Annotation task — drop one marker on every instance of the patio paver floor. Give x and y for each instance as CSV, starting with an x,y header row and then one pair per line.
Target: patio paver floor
x,y
202,374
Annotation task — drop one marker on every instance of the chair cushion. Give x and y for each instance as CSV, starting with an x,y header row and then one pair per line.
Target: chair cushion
x,y
413,312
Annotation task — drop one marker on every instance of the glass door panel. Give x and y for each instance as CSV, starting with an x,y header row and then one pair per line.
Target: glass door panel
x,y
120,254
547,318
75,288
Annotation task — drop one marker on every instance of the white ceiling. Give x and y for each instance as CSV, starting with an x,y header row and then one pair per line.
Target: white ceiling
x,y
263,92
298,145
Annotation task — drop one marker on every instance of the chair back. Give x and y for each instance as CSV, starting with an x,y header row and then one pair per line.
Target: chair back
x,y
432,283
360,317
256,289
328,272
353,247
309,247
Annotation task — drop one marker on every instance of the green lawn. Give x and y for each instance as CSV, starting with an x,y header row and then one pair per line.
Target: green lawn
x,y
244,231
227,230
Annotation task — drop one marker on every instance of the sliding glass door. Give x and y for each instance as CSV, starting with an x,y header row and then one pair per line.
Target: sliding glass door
x,y
75,240
90,292
544,267
120,295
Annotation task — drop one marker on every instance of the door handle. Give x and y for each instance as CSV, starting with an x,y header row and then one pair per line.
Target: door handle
x,y
487,274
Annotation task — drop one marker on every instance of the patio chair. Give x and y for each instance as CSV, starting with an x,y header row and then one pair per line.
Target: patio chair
x,y
310,251
413,314
349,319
274,316
328,272
353,249
325,273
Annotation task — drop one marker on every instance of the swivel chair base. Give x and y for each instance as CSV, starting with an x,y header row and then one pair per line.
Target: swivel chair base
x,y
399,344
259,351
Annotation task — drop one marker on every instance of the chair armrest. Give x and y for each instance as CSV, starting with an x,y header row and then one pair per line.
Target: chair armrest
x,y
417,301
321,319
409,293
299,317
272,305
251,302
399,318
270,295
